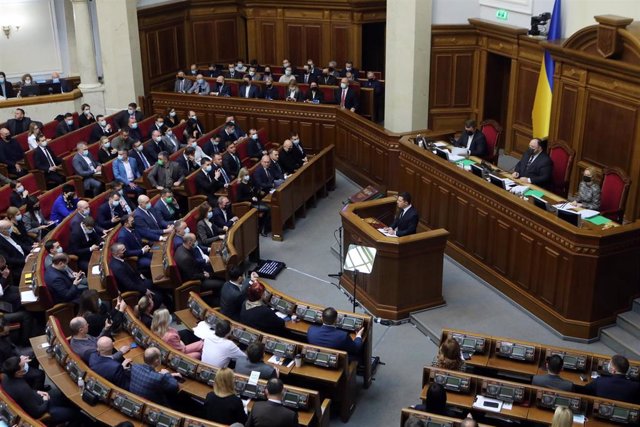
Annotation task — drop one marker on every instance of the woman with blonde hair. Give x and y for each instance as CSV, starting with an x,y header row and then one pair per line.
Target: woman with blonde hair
x,y
449,356
222,405
563,417
32,136
160,325
18,230
588,196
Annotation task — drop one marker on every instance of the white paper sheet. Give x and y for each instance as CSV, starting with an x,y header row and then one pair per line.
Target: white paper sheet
x,y
28,296
203,331
382,230
481,403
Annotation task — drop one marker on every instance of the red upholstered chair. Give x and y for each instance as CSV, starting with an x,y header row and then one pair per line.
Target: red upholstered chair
x,y
562,156
613,198
492,132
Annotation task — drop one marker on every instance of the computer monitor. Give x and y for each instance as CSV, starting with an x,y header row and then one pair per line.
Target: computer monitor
x,y
30,90
476,170
571,217
442,153
50,88
497,181
541,203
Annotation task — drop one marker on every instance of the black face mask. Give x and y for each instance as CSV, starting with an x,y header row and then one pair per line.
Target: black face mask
x,y
470,132
180,78
586,179
531,151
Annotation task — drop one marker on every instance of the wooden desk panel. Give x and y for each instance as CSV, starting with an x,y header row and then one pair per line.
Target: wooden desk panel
x,y
560,273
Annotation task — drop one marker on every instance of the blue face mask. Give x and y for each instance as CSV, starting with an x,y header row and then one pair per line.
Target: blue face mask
x,y
26,368
209,215
207,169
148,206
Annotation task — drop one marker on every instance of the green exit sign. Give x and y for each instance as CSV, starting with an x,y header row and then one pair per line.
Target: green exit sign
x,y
502,14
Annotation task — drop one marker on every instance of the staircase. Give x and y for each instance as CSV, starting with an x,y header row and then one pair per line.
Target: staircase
x,y
624,337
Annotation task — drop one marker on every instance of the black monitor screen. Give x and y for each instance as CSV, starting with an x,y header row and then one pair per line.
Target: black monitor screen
x,y
542,204
477,170
571,217
498,182
442,153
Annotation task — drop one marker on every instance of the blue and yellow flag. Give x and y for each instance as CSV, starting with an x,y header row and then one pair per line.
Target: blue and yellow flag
x,y
541,114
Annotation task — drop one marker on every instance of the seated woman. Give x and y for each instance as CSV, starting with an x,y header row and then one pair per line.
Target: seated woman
x,y
19,231
144,310
85,116
160,326
294,93
32,135
34,221
19,194
449,356
562,417
257,314
436,401
246,192
96,312
588,196
222,405
206,231
171,119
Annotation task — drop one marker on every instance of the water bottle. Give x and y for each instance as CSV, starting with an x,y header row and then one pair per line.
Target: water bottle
x,y
81,384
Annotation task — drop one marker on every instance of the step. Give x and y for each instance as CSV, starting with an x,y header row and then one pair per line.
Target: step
x,y
621,341
630,322
636,305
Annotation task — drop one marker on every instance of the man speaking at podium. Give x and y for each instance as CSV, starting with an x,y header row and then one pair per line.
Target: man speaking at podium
x,y
406,222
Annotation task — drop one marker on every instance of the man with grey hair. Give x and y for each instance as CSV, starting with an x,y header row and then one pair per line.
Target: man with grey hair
x,y
84,344
15,254
158,387
190,269
85,165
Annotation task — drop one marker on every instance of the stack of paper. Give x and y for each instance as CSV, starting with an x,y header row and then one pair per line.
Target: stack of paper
x,y
587,213
455,158
28,296
383,231
441,144
519,189
460,151
487,404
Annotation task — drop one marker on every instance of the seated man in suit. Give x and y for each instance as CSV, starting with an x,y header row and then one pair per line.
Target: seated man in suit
x,y
218,166
106,153
346,97
155,146
327,78
20,123
83,241
228,134
144,158
123,141
208,182
213,146
193,127
190,269
248,90
271,412
275,169
100,128
148,225
11,153
122,119
348,68
289,160
231,162
255,362
200,87
167,207
15,251
65,126
223,217
256,148
48,163
171,141
615,386
159,126
103,363
406,222
262,176
125,170
234,292
148,380
134,246
198,154
181,84
111,211
535,166
82,211
220,88
552,378
270,92
85,166
187,161
127,204
314,95
472,139
328,335
166,173
62,286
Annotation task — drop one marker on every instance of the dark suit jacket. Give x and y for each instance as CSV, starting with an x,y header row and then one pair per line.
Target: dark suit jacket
x,y
264,319
227,138
63,128
19,126
231,164
276,170
315,96
289,161
297,95
328,336
354,72
26,397
146,226
263,181
61,286
552,381
351,99
267,413
218,217
127,278
11,153
206,186
539,172
223,90
79,245
132,242
270,93
105,214
187,166
152,149
188,265
328,80
163,212
237,75
8,90
122,119
105,155
616,387
255,148
407,224
135,154
83,120
192,126
311,78
40,159
166,175
110,369
210,149
478,145
97,132
15,260
254,92
232,297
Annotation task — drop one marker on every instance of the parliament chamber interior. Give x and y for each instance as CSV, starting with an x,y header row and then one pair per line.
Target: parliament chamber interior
x,y
317,213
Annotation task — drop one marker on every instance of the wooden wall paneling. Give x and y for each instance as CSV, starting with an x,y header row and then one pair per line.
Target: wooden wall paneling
x,y
294,42
267,43
313,41
480,233
379,164
227,40
461,218
463,80
203,34
340,42
526,83
365,155
442,67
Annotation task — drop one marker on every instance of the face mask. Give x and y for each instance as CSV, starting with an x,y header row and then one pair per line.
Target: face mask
x,y
59,249
87,111
295,141
139,148
157,139
120,192
85,152
28,81
469,132
1,79
348,68
130,111
134,125
194,72
254,136
172,114
209,215
194,145
343,85
159,124
43,144
99,302
245,178
193,118
103,123
239,65
55,81
71,196
147,206
231,70
287,73
207,169
19,217
169,200
586,179
215,142
247,82
120,157
199,81
87,212
107,145
161,162
20,189
252,73
115,203
187,230
26,368
314,88
531,151
169,132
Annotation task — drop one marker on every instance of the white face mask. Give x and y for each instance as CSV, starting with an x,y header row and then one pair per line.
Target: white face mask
x,y
343,85
103,123
87,111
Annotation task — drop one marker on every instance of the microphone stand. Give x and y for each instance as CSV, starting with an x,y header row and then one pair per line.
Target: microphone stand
x,y
339,274
355,289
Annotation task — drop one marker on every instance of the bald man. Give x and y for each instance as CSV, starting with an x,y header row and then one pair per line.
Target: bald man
x,y
262,176
289,160
147,223
190,269
159,387
103,364
82,211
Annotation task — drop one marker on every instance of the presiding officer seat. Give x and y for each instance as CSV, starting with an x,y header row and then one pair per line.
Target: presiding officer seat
x,y
492,132
562,156
613,198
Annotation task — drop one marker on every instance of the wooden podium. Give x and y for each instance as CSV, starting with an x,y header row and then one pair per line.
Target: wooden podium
x,y
407,273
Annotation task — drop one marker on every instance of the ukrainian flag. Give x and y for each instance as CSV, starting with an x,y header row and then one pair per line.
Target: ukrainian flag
x,y
541,114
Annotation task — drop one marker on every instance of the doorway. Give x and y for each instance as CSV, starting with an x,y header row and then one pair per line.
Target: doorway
x,y
496,88
373,46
